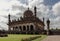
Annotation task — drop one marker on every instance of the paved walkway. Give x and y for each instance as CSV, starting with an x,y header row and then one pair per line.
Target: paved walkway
x,y
52,38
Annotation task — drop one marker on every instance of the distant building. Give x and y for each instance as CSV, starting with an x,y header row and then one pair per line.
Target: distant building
x,y
29,23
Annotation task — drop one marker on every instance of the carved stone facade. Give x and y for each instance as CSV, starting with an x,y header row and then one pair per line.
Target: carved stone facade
x,y
29,23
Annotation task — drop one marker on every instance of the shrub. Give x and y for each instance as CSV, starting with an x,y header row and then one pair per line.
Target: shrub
x,y
30,39
3,35
26,39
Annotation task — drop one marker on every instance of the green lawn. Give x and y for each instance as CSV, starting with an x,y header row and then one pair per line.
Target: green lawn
x,y
18,37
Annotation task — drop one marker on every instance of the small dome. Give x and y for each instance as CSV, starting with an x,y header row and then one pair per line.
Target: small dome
x,y
28,13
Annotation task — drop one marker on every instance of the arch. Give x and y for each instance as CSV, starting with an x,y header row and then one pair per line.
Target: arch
x,y
31,27
27,27
16,28
24,28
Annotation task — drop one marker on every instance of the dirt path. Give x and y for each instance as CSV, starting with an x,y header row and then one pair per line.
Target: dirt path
x,y
52,38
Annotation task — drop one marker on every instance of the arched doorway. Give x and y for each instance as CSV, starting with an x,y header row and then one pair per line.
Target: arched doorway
x,y
27,27
31,27
24,28
16,28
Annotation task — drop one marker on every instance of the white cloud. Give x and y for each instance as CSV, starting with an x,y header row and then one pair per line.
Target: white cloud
x,y
55,23
3,23
56,11
6,6
35,2
56,8
43,8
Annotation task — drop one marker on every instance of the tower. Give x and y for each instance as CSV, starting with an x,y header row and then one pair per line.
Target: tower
x,y
35,11
9,18
9,22
48,26
43,22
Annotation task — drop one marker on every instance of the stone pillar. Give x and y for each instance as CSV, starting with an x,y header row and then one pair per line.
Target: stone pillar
x,y
13,28
29,27
43,22
48,26
18,28
22,28
9,30
34,29
26,29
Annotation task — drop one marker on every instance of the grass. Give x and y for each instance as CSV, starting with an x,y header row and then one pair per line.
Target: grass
x,y
18,37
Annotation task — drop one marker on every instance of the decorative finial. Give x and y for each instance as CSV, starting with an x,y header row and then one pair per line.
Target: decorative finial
x,y
35,11
43,19
9,14
28,8
35,7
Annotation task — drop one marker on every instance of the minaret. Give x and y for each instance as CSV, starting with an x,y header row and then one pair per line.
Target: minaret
x,y
9,22
48,26
35,11
28,8
43,22
9,18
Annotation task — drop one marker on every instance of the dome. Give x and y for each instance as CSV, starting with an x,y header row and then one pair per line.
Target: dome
x,y
28,13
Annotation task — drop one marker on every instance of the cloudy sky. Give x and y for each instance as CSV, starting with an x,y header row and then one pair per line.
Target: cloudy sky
x,y
45,8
